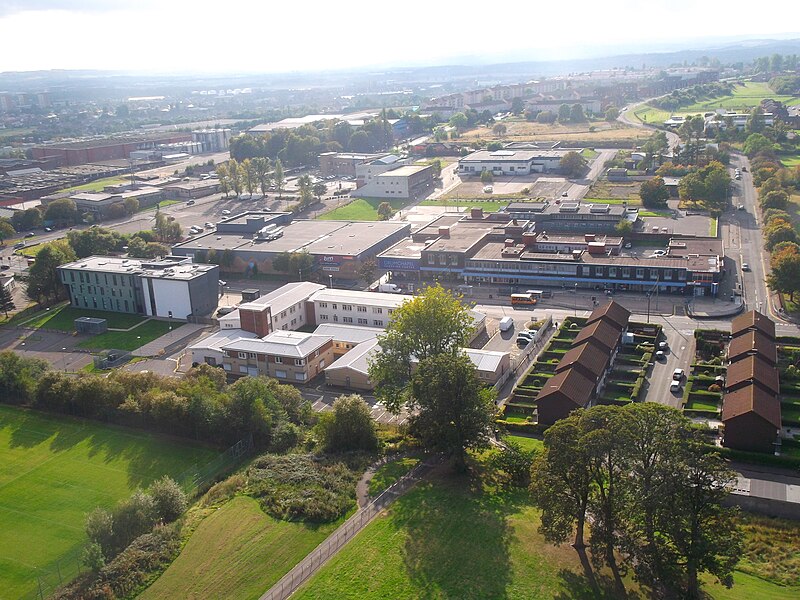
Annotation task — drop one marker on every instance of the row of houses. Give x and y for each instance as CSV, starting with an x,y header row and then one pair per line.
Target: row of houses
x,y
581,374
751,409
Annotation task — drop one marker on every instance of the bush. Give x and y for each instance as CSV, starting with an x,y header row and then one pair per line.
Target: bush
x,y
349,426
169,501
284,437
302,487
515,463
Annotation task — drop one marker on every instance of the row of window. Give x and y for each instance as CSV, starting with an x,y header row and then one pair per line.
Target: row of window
x,y
85,277
349,307
583,270
107,304
360,321
92,289
298,362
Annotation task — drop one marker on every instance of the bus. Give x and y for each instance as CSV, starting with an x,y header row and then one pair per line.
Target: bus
x,y
526,299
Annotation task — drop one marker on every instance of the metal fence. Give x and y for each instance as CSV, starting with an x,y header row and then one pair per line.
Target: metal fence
x,y
58,573
290,582
196,477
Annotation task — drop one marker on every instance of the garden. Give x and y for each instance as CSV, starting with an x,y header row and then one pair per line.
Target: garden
x,y
789,369
702,396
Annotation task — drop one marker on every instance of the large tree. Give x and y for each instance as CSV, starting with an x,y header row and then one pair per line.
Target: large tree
x,y
654,193
451,410
385,211
62,212
6,230
43,280
6,300
785,273
432,323
165,230
572,164
278,176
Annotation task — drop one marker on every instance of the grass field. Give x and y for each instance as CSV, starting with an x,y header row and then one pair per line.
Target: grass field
x,y
63,317
790,161
387,474
527,443
54,470
488,206
237,552
593,133
128,340
361,209
97,185
443,541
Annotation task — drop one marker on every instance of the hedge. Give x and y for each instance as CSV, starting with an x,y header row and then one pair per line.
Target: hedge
x,y
758,458
788,339
534,428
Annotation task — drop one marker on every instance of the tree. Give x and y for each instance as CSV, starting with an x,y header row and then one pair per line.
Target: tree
x,y
436,164
486,176
564,113
385,211
95,241
250,176
576,114
169,499
27,219
261,166
560,483
756,143
360,142
612,113
131,205
6,230
656,145
785,273
459,121
224,179
572,164
546,117
6,300
517,105
623,228
778,231
367,271
776,199
44,282
692,187
62,212
717,184
165,230
434,322
278,176
349,426
319,189
451,411
500,129
515,462
235,173
654,193
304,186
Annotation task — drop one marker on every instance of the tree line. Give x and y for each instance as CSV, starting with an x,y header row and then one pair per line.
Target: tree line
x,y
200,406
644,483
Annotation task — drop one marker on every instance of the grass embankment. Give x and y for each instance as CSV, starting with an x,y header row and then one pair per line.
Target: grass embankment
x,y
129,340
237,552
63,318
53,471
362,209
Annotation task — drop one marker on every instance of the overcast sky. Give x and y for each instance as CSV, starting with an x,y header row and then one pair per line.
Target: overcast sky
x,y
275,35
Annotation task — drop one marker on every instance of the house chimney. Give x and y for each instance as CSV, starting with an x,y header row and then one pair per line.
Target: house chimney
x,y
444,231
476,213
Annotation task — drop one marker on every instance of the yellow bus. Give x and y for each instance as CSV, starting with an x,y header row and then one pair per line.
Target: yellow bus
x,y
526,299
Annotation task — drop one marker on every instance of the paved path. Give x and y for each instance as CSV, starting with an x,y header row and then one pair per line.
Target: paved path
x,y
303,571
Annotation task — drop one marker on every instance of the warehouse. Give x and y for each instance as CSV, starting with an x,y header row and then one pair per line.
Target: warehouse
x,y
512,162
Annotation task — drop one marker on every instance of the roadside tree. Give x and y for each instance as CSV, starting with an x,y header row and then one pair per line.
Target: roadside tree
x,y
785,269
572,164
6,300
7,230
278,176
385,211
43,280
654,193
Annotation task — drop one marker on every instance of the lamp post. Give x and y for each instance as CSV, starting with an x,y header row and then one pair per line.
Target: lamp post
x,y
64,359
330,279
576,299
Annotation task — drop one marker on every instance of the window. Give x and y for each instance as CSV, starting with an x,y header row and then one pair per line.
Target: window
x,y
114,277
335,307
242,354
323,305
347,319
294,322
390,311
362,308
363,322
612,271
347,307
283,314
323,317
378,323
639,273
251,355
300,376
377,311
299,362
279,359
280,374
72,275
336,318
242,369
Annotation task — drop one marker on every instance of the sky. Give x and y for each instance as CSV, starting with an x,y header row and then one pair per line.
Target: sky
x,y
244,36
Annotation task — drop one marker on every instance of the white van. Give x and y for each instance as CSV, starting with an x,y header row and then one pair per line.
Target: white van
x,y
506,323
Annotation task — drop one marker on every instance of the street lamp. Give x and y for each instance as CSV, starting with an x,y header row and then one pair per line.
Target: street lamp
x,y
64,358
330,279
576,299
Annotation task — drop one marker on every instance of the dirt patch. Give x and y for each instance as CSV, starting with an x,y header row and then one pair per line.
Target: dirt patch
x,y
520,130
607,189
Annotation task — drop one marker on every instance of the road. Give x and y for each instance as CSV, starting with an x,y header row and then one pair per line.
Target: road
x,y
625,117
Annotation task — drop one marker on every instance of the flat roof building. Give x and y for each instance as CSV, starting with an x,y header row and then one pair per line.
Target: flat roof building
x,y
289,356
337,247
172,287
511,162
400,182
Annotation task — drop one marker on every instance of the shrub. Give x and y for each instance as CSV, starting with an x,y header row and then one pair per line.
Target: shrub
x,y
515,463
169,501
349,426
284,437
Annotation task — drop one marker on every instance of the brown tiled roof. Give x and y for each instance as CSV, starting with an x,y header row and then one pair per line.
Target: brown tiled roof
x,y
602,332
753,320
569,384
588,358
753,342
752,368
755,399
613,312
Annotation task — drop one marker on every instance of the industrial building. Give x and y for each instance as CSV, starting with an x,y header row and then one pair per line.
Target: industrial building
x,y
172,287
212,140
502,250
407,181
109,148
343,164
99,204
256,238
511,162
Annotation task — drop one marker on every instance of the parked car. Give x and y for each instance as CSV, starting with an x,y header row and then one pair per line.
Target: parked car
x,y
740,207
659,252
675,387
210,226
662,345
5,267
506,323
190,203
628,245
745,267
660,355
48,229
677,375
226,212
30,234
19,245
487,189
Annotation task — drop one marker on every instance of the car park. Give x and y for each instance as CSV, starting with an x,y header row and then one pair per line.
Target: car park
x,y
677,375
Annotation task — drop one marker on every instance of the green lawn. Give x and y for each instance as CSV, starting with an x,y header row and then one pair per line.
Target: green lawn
x,y
128,340
362,209
635,201
237,552
713,227
63,317
97,185
54,470
588,153
387,474
488,206
527,443
791,160
709,405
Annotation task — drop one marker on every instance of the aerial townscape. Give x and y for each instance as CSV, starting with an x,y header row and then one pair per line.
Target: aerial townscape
x,y
479,313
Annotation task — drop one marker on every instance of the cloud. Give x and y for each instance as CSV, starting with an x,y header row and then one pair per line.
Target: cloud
x,y
10,7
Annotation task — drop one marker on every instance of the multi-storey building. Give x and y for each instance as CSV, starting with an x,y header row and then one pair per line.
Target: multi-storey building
x,y
289,356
